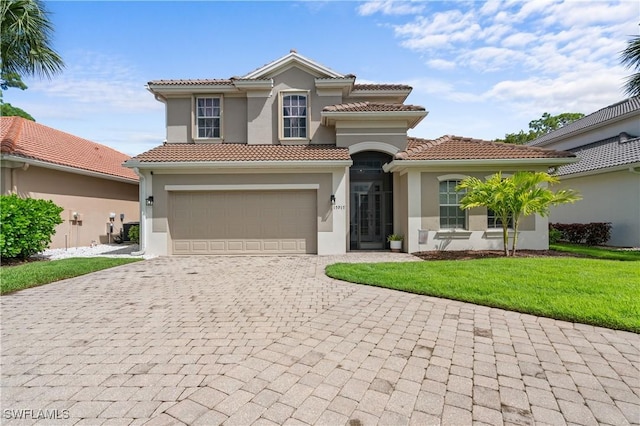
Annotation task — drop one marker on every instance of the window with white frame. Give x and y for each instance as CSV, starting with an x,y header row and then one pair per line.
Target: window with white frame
x,y
208,112
294,109
494,221
451,215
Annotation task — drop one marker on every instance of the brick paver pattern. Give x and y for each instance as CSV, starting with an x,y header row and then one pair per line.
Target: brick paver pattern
x,y
272,340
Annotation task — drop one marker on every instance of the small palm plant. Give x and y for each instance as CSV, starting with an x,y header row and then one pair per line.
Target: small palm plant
x,y
514,197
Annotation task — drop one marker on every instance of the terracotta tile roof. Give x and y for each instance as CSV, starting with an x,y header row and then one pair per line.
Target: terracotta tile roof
x,y
376,87
25,138
189,152
190,82
628,106
610,152
371,107
461,148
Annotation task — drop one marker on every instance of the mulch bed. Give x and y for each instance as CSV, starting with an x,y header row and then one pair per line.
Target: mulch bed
x,y
483,254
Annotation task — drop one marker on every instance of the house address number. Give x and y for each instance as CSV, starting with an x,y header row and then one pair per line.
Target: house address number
x,y
340,207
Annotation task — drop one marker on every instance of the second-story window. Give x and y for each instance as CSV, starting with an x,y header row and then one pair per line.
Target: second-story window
x,y
294,116
208,117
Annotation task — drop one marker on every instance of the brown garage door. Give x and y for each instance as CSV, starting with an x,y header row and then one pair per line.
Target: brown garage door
x,y
243,222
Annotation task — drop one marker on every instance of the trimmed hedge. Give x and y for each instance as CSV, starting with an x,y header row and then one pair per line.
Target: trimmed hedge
x,y
26,225
591,234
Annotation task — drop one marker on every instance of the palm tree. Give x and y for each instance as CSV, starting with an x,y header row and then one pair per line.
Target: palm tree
x,y
489,194
514,197
25,43
630,58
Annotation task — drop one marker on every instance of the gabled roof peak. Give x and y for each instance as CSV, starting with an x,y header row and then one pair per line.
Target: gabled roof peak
x,y
293,58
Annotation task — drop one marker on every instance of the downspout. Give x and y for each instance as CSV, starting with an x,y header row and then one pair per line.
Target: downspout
x,y
142,195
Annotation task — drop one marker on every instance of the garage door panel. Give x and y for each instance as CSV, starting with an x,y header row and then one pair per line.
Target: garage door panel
x,y
243,222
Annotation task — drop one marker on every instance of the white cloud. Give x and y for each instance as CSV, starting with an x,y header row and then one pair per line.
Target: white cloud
x,y
571,92
532,56
390,7
99,83
442,88
441,64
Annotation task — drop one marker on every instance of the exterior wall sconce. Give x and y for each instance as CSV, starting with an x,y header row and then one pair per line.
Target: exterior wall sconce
x,y
149,200
112,216
333,199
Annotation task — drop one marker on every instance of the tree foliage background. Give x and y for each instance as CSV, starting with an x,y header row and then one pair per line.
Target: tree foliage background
x,y
25,45
545,124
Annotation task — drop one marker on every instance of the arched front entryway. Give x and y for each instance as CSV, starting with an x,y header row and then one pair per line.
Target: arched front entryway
x,y
371,201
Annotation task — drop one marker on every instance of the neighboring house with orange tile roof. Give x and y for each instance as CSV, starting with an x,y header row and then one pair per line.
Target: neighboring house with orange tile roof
x,y
607,145
295,157
85,178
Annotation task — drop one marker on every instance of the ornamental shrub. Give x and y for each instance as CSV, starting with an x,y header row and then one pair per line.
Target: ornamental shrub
x,y
26,225
591,234
554,235
134,234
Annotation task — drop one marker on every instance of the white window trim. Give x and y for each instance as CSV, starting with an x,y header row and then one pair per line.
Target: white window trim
x,y
450,231
281,96
194,116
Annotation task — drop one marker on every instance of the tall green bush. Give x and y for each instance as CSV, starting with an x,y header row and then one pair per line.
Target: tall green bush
x,y
134,234
26,225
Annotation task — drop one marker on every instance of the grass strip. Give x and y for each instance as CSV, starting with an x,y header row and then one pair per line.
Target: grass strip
x,y
598,252
32,274
590,291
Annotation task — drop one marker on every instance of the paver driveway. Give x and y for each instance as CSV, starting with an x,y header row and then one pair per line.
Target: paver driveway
x,y
271,340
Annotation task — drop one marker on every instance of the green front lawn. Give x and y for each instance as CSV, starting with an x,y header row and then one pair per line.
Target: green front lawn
x,y
591,291
598,252
32,274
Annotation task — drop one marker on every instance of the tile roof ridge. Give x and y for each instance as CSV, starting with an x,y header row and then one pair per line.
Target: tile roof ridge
x,y
12,134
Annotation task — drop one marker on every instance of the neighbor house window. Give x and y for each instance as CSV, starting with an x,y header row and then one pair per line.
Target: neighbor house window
x,y
494,221
451,215
294,109
208,117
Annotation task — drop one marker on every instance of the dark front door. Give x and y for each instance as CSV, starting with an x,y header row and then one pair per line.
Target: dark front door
x,y
371,201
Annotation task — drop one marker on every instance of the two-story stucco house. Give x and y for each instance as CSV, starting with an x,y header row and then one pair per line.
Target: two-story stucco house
x,y
297,158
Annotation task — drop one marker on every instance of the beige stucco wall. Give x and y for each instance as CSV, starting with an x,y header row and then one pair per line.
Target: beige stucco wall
x,y
369,132
423,225
178,120
91,197
297,79
332,220
607,197
324,180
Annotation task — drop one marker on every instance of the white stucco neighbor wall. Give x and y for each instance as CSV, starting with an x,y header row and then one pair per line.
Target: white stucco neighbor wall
x,y
606,197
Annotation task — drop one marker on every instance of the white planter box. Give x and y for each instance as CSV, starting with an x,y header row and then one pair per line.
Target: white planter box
x,y
396,246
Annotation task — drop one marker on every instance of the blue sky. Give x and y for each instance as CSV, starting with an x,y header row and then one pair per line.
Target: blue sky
x,y
481,69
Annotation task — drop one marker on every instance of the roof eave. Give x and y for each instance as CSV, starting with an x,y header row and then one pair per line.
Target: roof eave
x,y
67,169
329,118
271,164
190,89
289,59
399,165
631,167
